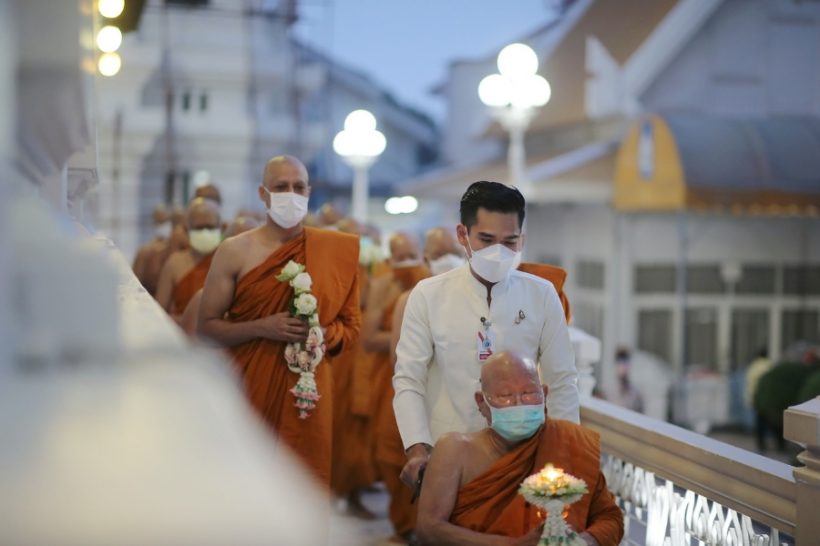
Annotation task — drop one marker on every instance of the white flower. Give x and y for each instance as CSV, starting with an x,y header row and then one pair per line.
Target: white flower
x,y
301,283
305,304
291,270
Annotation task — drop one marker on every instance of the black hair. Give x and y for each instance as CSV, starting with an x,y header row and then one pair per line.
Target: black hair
x,y
491,196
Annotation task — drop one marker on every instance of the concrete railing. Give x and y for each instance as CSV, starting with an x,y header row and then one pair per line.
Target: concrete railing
x,y
676,485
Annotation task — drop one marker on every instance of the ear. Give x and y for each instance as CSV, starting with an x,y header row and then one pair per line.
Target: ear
x,y
462,235
263,195
483,409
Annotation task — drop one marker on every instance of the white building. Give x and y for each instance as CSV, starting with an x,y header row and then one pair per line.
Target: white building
x,y
675,173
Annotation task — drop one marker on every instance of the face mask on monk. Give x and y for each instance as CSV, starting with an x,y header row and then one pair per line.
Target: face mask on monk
x,y
445,263
205,241
516,423
287,208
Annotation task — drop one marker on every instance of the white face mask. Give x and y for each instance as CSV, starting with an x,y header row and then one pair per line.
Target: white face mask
x,y
163,230
495,262
287,208
205,241
410,262
445,263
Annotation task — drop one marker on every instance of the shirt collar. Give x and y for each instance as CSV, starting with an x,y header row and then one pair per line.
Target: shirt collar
x,y
481,290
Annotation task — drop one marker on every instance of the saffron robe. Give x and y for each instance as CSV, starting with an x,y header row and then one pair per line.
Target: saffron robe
x,y
553,274
389,450
491,504
331,258
191,283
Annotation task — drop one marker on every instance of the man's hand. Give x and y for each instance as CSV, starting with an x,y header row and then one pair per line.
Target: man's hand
x,y
417,457
589,539
283,327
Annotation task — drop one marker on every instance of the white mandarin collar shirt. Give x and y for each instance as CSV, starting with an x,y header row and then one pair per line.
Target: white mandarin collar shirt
x,y
438,367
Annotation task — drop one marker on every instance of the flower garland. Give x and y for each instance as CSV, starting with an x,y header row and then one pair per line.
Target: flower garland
x,y
552,482
552,489
304,357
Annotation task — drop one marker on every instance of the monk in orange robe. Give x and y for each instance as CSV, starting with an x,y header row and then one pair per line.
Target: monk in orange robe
x,y
407,269
148,262
556,276
470,490
185,271
246,309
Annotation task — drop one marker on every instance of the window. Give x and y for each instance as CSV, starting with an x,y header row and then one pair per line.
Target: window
x,y
186,186
750,334
589,317
801,280
203,101
701,337
799,325
655,279
590,274
704,279
655,332
756,279
550,259
186,101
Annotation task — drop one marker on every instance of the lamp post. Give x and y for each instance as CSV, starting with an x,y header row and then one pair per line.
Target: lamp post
x,y
359,144
514,95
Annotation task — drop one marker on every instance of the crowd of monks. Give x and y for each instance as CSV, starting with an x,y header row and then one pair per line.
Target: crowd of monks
x,y
216,278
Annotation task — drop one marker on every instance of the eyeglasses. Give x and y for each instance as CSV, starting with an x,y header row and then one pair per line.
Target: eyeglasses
x,y
522,399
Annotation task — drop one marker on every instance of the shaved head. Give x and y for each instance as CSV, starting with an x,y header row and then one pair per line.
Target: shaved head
x,y
328,215
500,367
349,225
241,224
438,242
178,216
203,213
160,214
284,164
403,246
209,191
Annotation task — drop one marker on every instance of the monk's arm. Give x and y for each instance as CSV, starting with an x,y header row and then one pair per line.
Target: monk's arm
x,y
217,296
439,493
344,329
395,330
165,285
606,521
139,264
375,339
557,363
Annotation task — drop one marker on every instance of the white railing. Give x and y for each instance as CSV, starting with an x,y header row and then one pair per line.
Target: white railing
x,y
679,488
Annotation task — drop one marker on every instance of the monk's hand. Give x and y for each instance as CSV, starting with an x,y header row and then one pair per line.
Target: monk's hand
x,y
417,457
533,538
283,327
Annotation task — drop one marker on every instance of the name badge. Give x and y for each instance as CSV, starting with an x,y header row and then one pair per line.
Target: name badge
x,y
485,345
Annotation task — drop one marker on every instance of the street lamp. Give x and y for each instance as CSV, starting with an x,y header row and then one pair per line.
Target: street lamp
x,y
513,96
359,145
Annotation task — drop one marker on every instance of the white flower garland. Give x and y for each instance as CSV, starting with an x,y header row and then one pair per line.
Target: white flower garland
x,y
304,357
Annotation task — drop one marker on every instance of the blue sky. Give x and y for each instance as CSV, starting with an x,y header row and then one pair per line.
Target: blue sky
x,y
406,44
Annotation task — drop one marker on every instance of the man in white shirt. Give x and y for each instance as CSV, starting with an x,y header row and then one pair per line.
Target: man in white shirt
x,y
454,321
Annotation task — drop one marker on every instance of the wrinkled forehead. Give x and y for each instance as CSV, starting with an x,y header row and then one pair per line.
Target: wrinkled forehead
x,y
285,170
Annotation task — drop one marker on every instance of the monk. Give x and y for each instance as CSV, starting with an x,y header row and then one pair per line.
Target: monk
x,y
209,191
470,491
246,309
185,271
353,465
150,257
188,320
406,269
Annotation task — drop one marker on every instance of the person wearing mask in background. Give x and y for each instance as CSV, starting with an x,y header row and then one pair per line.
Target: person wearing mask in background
x,y
185,271
455,321
150,257
406,270
246,309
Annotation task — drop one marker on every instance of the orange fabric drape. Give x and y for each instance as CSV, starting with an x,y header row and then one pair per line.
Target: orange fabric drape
x,y
190,284
556,276
331,259
491,503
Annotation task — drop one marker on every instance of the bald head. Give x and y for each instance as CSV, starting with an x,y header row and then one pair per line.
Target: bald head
x,y
403,247
349,225
328,215
179,215
209,191
160,215
203,214
439,242
241,224
500,367
284,167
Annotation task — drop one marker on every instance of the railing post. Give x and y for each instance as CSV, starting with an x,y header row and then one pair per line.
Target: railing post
x,y
802,425
587,352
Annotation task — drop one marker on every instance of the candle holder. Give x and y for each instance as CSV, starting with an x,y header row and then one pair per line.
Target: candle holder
x,y
552,489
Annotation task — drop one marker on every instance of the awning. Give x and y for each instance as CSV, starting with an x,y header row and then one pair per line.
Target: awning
x,y
765,166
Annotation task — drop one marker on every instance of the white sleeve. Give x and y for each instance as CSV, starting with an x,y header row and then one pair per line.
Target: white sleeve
x,y
557,363
413,355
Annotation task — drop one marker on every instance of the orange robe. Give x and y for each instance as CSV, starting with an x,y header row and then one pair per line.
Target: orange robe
x,y
553,274
190,284
331,258
390,455
491,503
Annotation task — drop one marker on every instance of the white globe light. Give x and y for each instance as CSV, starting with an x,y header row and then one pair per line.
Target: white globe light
x,y
111,8
409,204
109,64
517,60
494,90
539,91
109,39
342,144
393,205
359,120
